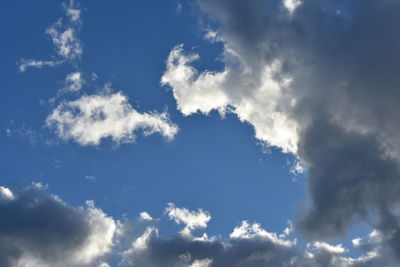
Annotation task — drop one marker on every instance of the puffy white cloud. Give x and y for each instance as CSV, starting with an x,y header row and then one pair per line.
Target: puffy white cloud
x,y
338,249
90,119
223,91
39,229
145,216
73,11
6,193
100,240
291,5
191,219
201,263
250,231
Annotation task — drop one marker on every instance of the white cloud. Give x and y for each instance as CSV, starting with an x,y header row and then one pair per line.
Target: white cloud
x,y
251,231
291,5
74,81
260,104
66,42
193,91
32,63
145,216
6,193
90,119
100,240
191,219
64,37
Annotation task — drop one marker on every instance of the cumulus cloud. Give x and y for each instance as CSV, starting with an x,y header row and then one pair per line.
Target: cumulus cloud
x,y
207,91
90,119
248,245
318,79
191,219
38,229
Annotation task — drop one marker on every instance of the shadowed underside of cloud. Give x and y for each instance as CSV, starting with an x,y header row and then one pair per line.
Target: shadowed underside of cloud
x,y
39,229
248,245
319,79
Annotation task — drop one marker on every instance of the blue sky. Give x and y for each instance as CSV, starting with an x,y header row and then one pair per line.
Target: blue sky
x,y
206,105
214,163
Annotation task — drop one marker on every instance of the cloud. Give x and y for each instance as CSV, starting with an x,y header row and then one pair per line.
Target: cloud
x,y
207,91
73,11
38,229
90,119
63,34
248,245
68,46
32,63
74,82
191,219
6,193
318,79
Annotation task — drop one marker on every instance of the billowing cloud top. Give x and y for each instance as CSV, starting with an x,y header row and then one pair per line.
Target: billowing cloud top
x,y
318,79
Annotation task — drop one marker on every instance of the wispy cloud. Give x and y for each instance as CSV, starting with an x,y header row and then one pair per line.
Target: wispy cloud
x,y
63,34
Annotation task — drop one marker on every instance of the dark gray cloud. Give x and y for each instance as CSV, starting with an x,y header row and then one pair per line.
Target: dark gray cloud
x,y
38,229
248,245
320,81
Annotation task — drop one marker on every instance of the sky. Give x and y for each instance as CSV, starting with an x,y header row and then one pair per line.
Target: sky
x,y
199,133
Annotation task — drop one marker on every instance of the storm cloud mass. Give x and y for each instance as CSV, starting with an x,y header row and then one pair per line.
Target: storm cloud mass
x,y
38,229
319,79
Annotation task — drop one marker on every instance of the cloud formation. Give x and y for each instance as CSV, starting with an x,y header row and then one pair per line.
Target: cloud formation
x,y
38,229
90,119
63,34
74,81
248,245
318,79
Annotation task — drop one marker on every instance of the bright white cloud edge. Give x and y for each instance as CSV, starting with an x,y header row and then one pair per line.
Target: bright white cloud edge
x,y
90,119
